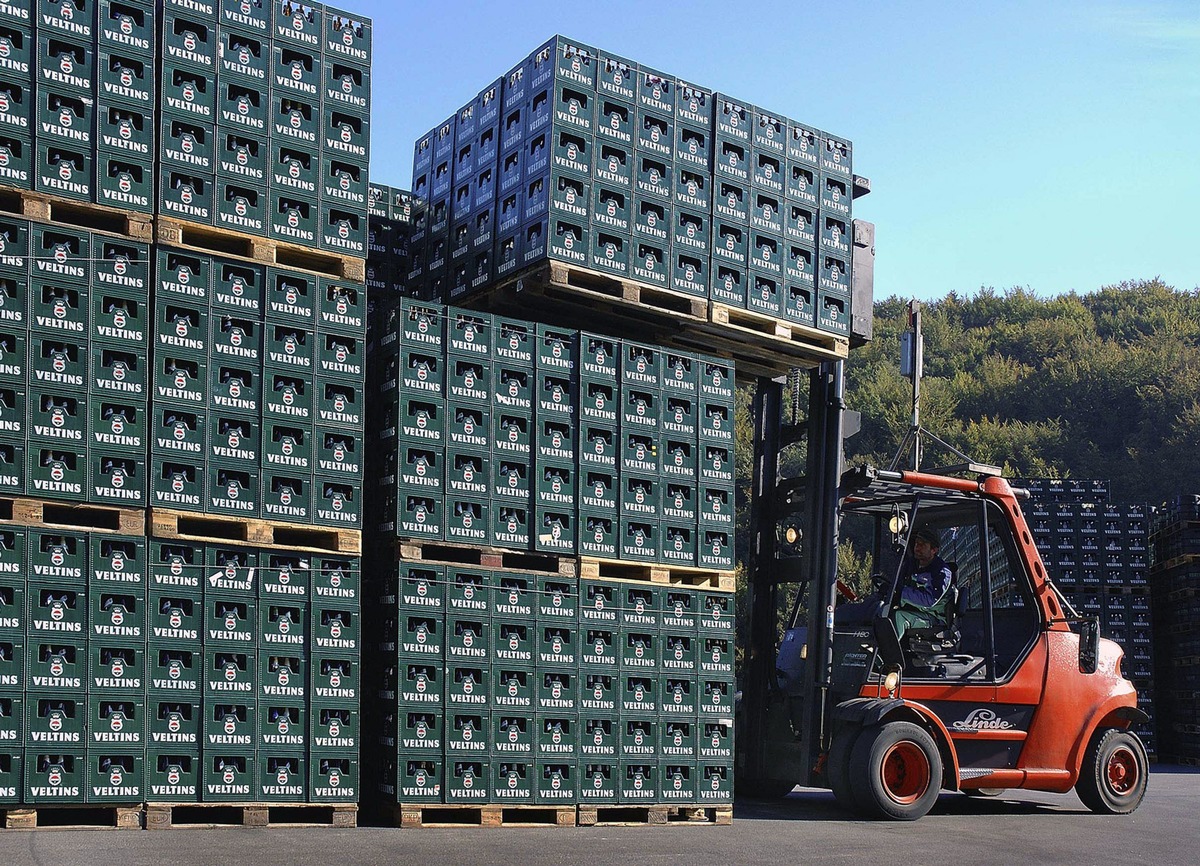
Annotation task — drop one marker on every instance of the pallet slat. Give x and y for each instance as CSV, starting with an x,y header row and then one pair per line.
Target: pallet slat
x,y
166,523
266,251
44,208
484,557
175,816
655,815
94,518
408,816
620,569
73,817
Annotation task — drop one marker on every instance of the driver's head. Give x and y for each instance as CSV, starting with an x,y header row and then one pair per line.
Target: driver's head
x,y
925,545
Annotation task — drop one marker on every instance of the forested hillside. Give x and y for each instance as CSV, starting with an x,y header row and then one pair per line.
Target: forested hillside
x,y
1102,385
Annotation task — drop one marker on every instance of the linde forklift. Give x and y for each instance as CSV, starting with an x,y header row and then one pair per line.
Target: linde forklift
x,y
1010,689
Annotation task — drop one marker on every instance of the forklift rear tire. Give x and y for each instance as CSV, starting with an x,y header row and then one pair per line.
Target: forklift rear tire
x,y
1112,780
896,771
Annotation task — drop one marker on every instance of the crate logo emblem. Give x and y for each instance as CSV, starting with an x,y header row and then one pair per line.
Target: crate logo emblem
x,y
227,771
230,727
282,776
118,426
335,627
638,780
241,206
189,41
65,169
185,195
174,774
56,721
339,403
56,665
117,721
57,471
173,723
118,612
65,116
335,728
177,482
284,622
347,84
243,105
66,63
56,775
189,89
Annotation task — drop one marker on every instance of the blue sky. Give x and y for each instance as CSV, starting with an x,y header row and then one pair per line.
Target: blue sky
x,y
1052,145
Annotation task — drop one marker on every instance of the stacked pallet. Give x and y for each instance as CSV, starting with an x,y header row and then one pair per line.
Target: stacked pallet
x,y
198,364
1175,593
1097,553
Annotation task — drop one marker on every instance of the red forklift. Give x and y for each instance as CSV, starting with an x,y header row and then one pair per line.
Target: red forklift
x,y
1010,688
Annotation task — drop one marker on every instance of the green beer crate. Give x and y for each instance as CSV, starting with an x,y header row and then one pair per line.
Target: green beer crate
x,y
14,354
234,490
281,625
638,781
230,724
233,387
511,736
53,418
288,396
230,570
285,576
183,275
556,736
466,780
677,738
177,621
640,649
53,362
341,307
282,777
16,161
421,586
121,319
242,156
186,195
336,577
57,721
16,97
12,605
243,57
678,653
512,432
716,548
289,346
600,736
175,670
54,775
716,506
57,473
556,781
678,695
512,688
511,525
416,779
56,610
678,783
173,775
56,665
715,740
715,698
227,776
513,642
716,654
116,478
57,555
333,777
334,627
65,119
242,107
639,692
185,91
281,726
556,691
232,440
119,372
512,779
714,782
64,171
291,296
510,479
116,669
599,650
799,304
598,780
116,721
126,24
12,719
466,733
12,662
466,686
176,567
229,621
13,467
174,723
334,680
230,673
283,675
467,519
124,183
336,727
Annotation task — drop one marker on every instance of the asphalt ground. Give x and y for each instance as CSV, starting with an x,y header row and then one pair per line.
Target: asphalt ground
x,y
803,828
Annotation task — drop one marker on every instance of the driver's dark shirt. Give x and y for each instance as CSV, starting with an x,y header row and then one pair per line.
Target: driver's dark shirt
x,y
925,587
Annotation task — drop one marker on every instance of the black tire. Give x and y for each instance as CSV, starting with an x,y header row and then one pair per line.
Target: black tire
x,y
896,772
837,767
1112,780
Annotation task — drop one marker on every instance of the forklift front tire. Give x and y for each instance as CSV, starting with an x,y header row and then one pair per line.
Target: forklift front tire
x,y
1112,780
896,771
837,767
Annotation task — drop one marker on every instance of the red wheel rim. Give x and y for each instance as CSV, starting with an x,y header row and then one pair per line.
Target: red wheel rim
x,y
905,772
1122,771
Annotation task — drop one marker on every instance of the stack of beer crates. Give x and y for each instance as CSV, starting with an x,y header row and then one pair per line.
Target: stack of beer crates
x,y
202,366
585,158
1175,592
1098,553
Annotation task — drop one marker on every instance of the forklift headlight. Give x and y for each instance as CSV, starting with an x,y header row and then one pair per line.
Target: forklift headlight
x,y
791,535
891,682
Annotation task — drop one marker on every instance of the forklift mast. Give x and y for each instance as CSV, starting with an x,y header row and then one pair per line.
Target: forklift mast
x,y
814,497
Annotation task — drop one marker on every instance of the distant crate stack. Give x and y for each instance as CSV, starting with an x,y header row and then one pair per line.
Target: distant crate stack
x,y
1098,553
1175,590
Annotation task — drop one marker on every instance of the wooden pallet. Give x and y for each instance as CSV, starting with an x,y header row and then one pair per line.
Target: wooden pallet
x,y
645,572
268,251
1176,562
656,815
416,550
550,279
167,523
73,817
763,345
489,815
94,518
46,208
175,816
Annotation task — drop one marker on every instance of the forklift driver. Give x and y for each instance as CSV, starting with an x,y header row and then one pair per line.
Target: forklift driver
x,y
924,582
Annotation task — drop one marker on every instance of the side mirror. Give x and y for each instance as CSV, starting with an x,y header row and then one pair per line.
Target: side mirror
x,y
1089,645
